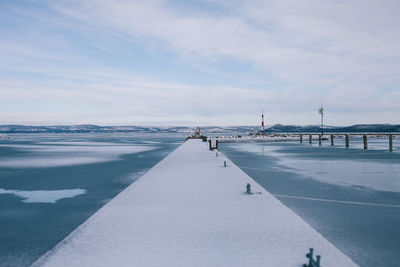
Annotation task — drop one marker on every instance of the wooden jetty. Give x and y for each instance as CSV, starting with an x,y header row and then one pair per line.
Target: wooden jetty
x,y
346,136
293,137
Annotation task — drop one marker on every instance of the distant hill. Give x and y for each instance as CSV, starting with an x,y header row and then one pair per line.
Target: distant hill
x,y
371,128
87,128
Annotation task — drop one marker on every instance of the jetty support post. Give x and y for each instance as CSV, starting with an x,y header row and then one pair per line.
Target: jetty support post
x,y
346,137
332,140
319,139
310,138
365,141
390,142
301,138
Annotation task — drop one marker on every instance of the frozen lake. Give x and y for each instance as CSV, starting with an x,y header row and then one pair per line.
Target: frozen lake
x,y
351,196
51,183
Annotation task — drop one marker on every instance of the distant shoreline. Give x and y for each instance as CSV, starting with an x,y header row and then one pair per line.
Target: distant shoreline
x,y
277,128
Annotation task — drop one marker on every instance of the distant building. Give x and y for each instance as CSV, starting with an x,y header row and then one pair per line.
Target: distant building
x,y
197,135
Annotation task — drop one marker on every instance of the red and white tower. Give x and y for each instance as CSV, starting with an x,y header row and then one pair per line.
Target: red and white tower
x,y
262,120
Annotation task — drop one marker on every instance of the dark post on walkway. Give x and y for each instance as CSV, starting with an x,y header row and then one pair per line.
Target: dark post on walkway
x,y
390,142
365,141
319,139
347,140
310,138
301,138
332,140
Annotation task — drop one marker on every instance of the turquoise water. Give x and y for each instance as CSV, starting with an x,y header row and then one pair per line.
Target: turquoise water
x,y
50,184
351,196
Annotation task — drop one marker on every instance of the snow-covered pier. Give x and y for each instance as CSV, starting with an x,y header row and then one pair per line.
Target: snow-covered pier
x,y
190,210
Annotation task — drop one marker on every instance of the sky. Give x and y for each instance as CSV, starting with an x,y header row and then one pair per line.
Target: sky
x,y
205,62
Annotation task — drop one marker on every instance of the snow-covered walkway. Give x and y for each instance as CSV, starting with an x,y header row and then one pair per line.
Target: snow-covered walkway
x,y
189,210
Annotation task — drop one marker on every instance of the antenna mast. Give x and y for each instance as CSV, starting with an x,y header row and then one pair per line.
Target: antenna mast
x,y
321,111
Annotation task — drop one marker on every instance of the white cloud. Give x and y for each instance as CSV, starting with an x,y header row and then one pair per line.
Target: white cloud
x,y
305,42
340,53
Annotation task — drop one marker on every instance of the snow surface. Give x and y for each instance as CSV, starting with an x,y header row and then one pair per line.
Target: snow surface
x,y
189,210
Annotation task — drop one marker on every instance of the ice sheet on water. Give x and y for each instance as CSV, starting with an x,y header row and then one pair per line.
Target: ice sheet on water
x,y
82,143
44,196
108,149
346,171
378,176
150,142
40,155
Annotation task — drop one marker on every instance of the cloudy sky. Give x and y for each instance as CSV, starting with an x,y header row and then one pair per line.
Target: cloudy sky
x,y
183,62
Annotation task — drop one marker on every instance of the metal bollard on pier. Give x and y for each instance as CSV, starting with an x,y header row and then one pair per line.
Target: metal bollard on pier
x,y
311,261
224,163
248,189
